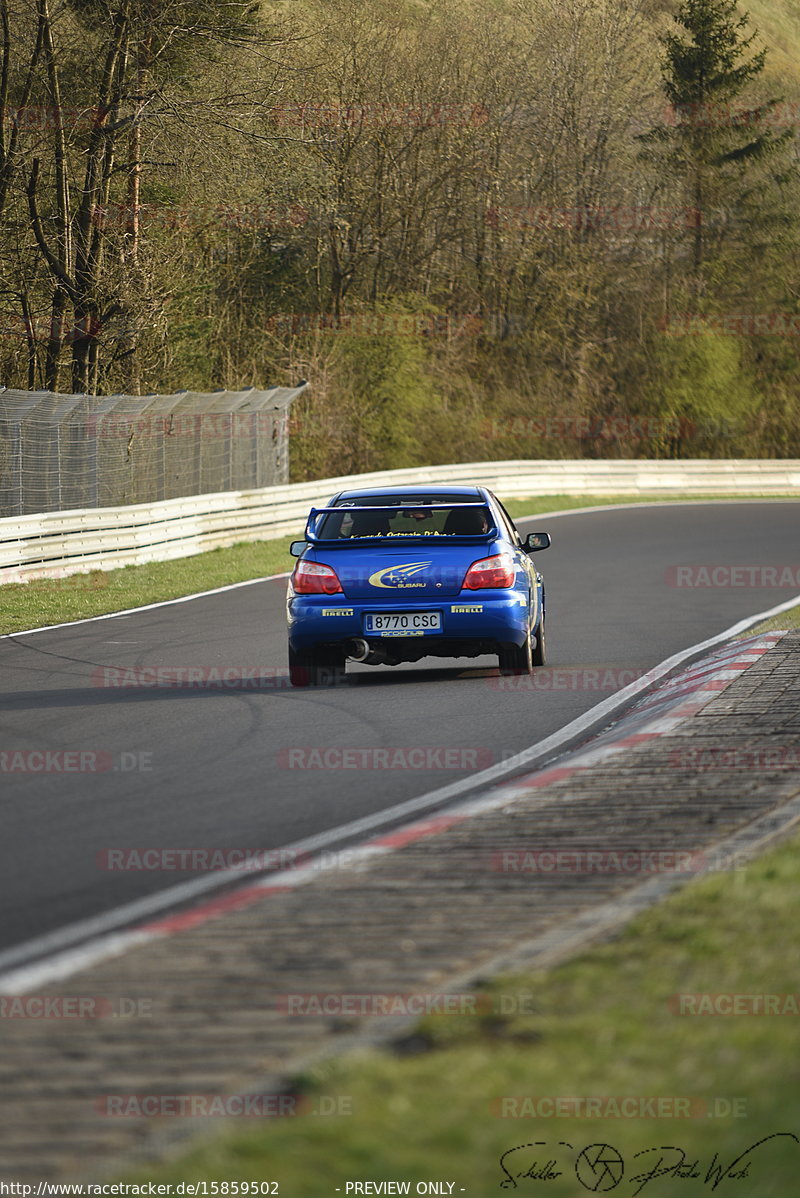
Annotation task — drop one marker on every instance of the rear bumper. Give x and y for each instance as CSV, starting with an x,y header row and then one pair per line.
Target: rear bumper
x,y
478,618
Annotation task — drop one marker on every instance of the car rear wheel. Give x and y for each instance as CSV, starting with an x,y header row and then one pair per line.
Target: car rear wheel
x,y
320,667
540,652
516,659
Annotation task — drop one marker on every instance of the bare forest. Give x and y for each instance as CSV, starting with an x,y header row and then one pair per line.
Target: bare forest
x,y
481,229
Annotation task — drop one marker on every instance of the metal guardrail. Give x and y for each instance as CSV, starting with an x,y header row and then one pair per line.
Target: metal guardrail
x,y
54,544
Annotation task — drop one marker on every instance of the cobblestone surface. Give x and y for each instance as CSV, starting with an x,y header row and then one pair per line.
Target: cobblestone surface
x,y
412,921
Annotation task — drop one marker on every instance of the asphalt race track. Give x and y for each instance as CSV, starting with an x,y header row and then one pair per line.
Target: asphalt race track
x,y
207,768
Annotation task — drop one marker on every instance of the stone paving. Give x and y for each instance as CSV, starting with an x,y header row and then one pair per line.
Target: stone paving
x,y
418,920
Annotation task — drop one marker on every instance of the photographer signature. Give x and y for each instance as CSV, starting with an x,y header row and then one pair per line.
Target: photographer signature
x,y
601,1167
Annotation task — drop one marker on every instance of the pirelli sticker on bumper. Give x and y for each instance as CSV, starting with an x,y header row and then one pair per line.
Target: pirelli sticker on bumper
x,y
467,607
337,611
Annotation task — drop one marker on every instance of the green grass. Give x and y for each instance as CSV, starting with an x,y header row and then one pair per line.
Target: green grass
x,y
57,601
602,1025
555,503
789,619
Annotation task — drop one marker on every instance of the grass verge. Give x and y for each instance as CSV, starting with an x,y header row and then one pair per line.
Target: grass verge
x,y
59,600
789,619
79,596
555,503
605,1025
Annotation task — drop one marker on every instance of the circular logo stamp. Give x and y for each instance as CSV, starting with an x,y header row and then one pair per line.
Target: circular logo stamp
x,y
599,1167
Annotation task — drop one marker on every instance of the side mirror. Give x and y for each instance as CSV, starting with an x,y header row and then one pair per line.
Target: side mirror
x,y
297,548
536,540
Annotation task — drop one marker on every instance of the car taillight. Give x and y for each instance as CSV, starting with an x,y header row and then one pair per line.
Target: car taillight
x,y
312,578
497,571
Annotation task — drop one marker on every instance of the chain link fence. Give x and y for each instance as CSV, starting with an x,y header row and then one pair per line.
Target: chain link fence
x,y
59,452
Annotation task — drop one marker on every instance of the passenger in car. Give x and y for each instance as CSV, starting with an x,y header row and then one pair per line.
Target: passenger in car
x,y
369,524
466,522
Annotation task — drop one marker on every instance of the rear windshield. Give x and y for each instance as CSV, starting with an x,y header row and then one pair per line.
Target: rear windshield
x,y
405,518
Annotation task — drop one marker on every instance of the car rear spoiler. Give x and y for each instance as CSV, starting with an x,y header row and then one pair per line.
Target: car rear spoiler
x,y
395,538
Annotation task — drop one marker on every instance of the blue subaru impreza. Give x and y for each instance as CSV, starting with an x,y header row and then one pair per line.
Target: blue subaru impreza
x,y
400,573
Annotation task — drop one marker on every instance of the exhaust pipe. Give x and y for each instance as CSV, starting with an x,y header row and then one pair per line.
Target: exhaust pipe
x,y
357,649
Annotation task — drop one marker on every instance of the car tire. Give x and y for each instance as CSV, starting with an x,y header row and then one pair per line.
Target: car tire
x,y
316,667
540,652
516,659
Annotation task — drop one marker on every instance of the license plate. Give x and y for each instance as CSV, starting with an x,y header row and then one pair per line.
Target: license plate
x,y
403,623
